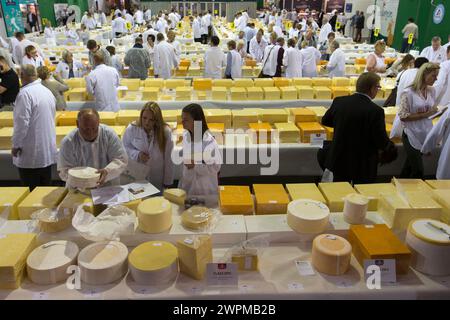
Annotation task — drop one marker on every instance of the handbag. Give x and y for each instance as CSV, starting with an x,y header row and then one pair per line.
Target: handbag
x,y
261,74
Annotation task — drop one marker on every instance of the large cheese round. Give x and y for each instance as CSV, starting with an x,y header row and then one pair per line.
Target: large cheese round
x,y
196,218
154,262
51,220
103,262
355,208
429,242
155,215
48,263
83,177
307,216
331,254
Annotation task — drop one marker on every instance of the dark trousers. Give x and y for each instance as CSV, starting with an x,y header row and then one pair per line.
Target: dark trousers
x,y
197,39
406,46
358,35
33,178
413,167
204,38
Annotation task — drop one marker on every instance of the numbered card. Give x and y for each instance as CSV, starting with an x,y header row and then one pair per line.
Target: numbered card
x,y
410,38
376,32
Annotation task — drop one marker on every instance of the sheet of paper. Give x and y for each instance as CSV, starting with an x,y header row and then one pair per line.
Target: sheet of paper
x,y
140,189
110,195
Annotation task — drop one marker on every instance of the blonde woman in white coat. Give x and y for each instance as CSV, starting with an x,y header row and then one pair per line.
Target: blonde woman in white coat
x,y
148,143
293,61
201,155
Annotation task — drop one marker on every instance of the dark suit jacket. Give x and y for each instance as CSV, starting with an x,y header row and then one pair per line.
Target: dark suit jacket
x,y
333,22
359,134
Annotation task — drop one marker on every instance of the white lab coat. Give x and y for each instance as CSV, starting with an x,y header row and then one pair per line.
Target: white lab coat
x,y
293,61
406,79
165,60
442,84
241,24
159,169
437,56
439,135
147,33
196,28
205,24
236,65
173,20
105,152
177,47
90,23
139,17
214,59
271,56
34,126
162,26
102,83
102,19
129,18
278,31
63,69
324,32
311,57
148,15
119,25
257,49
20,50
49,33
201,180
38,62
336,65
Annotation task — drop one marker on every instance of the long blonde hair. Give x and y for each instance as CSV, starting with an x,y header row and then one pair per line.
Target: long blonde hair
x,y
424,70
159,124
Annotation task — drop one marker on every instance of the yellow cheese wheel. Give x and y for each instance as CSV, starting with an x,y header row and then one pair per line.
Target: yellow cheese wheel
x,y
155,215
196,218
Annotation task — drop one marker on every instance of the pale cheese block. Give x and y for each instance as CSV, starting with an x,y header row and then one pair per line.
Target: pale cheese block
x,y
78,94
5,138
331,254
68,118
355,208
83,177
302,81
196,218
412,185
62,132
334,193
125,117
73,199
304,191
247,71
263,82
14,250
303,115
271,93
288,132
429,242
439,184
155,215
305,92
309,128
202,84
175,195
241,118
171,115
6,119
150,93
119,130
340,92
340,82
270,199
174,83
389,114
255,93
10,198
131,84
281,82
307,216
154,82
41,198
322,93
108,117
442,197
154,263
75,83
321,82
48,263
373,191
244,83
238,94
273,115
246,259
183,93
227,83
219,93
218,116
193,255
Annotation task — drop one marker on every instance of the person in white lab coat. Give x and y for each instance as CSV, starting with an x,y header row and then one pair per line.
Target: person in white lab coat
x,y
147,15
417,104
439,136
89,21
102,83
201,155
257,46
203,28
293,60
150,46
119,26
324,31
336,65
149,145
102,18
49,33
175,44
214,60
129,19
173,17
138,17
311,57
32,57
34,138
435,53
233,69
116,63
442,84
165,58
196,29
162,26
93,48
69,68
273,58
93,145
148,32
241,37
19,48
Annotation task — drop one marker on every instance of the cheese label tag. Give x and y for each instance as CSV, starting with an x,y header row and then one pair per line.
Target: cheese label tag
x,y
386,266
410,38
368,226
188,241
40,296
294,286
317,139
338,25
376,32
304,268
222,274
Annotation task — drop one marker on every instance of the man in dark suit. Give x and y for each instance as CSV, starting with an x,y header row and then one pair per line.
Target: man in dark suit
x,y
359,133
32,20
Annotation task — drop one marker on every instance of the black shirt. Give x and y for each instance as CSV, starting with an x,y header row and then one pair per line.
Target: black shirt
x,y
10,81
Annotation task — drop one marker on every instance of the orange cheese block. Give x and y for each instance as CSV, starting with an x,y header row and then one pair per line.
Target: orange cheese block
x,y
202,84
309,128
270,199
261,132
303,115
235,200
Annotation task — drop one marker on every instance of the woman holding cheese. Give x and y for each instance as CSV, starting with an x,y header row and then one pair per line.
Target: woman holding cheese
x,y
149,145
201,155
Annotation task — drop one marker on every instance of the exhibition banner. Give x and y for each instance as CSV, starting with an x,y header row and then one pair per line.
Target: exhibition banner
x,y
335,5
308,4
12,16
388,17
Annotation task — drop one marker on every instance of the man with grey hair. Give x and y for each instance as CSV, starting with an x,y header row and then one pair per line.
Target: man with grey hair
x,y
435,53
336,65
34,138
138,59
93,145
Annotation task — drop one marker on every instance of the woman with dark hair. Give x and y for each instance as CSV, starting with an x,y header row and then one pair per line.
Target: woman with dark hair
x,y
201,155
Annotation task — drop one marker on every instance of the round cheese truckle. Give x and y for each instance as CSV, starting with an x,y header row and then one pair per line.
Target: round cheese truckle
x,y
355,208
155,215
331,254
83,177
307,216
196,218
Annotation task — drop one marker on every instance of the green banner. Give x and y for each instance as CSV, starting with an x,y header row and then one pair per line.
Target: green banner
x,y
12,16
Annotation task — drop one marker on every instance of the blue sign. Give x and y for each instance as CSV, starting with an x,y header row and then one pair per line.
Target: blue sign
x,y
438,14
348,7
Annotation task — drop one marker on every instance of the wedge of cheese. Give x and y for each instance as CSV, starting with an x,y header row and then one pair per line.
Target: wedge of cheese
x,y
175,195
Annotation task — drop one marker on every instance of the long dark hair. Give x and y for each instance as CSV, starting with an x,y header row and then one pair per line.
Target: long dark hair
x,y
196,112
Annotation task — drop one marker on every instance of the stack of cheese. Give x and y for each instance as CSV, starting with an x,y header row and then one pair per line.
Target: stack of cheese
x,y
14,250
155,215
307,216
235,200
331,254
154,263
287,132
196,218
193,254
48,263
270,199
83,177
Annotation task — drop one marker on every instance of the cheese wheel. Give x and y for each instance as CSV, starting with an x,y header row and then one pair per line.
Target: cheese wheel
x,y
307,216
429,242
53,221
196,218
355,208
48,263
103,262
155,215
154,262
83,177
175,195
331,254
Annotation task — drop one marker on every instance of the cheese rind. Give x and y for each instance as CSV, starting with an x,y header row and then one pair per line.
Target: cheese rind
x,y
194,254
355,208
307,216
155,215
331,254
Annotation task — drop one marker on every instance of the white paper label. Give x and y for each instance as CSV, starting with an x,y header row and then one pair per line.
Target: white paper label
x,y
344,284
246,287
222,274
368,226
304,268
294,286
40,296
387,269
157,244
317,139
188,241
93,294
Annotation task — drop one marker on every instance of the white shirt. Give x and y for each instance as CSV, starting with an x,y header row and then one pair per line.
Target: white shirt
x,y
257,49
102,83
63,69
147,33
161,25
278,31
20,50
311,56
215,59
380,61
159,168
336,65
148,14
406,79
236,64
173,20
129,18
34,126
139,17
205,22
177,47
442,84
439,135
196,28
36,62
438,56
49,33
165,60
240,24
293,60
90,23
271,56
324,32
201,180
103,19
119,25
446,46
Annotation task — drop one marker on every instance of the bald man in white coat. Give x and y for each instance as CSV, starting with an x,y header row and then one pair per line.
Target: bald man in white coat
x,y
164,58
